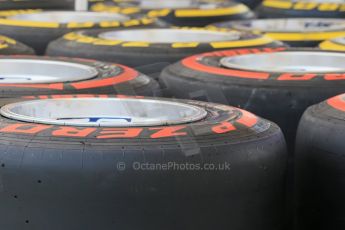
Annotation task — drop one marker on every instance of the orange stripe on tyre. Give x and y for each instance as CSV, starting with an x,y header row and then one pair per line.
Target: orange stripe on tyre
x,y
194,63
128,75
337,103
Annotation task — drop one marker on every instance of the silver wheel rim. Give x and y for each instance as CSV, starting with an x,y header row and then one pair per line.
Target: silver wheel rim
x,y
105,112
291,25
69,16
292,62
43,71
170,35
340,40
173,4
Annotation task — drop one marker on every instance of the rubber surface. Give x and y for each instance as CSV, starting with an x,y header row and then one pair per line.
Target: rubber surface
x,y
38,34
87,44
9,46
299,9
319,166
112,78
29,4
252,4
198,16
84,178
296,38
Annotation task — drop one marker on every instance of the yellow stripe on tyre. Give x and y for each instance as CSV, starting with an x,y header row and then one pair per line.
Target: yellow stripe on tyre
x,y
304,5
238,9
9,22
329,45
245,43
305,36
278,4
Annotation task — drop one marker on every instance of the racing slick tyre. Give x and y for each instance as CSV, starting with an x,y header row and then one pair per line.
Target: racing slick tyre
x,y
149,46
132,163
9,46
37,28
31,75
301,9
319,166
337,44
182,13
29,4
252,4
275,83
297,32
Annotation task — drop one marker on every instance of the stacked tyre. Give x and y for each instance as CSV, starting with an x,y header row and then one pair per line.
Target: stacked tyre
x,y
114,156
36,27
149,47
296,32
319,166
181,13
276,83
9,46
87,141
300,8
30,4
31,75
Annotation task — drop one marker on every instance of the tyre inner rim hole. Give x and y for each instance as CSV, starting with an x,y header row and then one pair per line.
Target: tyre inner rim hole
x,y
43,71
105,112
291,25
69,16
170,35
173,4
291,62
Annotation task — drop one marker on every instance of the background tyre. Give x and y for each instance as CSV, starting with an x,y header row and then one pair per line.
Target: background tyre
x,y
257,79
252,4
30,4
297,32
276,83
30,75
63,167
150,46
182,13
10,46
300,9
319,166
37,28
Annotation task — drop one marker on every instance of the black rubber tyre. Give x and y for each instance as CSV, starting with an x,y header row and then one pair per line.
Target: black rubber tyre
x,y
30,4
201,14
320,166
280,97
83,178
9,46
300,9
38,34
111,78
87,44
252,4
296,32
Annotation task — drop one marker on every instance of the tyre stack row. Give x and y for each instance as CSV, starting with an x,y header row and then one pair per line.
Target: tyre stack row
x,y
141,114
